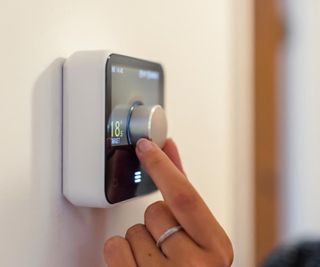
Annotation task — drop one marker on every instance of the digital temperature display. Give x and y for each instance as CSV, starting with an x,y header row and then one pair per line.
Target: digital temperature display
x,y
118,125
117,132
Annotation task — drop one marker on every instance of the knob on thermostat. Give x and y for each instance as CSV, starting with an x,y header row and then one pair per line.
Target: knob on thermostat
x,y
148,122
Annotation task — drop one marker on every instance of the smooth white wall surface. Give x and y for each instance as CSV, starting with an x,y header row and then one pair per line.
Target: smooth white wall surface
x,y
191,39
243,134
301,123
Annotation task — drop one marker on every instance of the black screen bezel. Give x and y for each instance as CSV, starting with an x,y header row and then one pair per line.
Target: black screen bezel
x,y
117,59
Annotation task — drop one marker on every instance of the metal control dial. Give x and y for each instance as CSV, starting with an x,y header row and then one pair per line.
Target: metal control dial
x,y
149,122
130,123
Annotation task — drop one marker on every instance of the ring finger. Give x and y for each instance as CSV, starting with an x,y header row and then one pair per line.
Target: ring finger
x,y
158,219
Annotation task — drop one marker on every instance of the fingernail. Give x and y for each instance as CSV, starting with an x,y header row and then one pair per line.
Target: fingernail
x,y
144,145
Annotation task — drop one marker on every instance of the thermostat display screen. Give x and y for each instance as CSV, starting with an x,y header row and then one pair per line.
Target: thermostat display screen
x,y
128,81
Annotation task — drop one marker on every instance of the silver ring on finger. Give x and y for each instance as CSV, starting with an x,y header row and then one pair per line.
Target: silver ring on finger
x,y
169,232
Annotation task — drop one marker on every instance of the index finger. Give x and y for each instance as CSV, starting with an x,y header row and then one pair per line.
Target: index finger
x,y
171,150
181,197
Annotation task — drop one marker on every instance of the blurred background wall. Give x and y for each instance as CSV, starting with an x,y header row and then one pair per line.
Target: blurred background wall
x,y
300,122
205,49
286,123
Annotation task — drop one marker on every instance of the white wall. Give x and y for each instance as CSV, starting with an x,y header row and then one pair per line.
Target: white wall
x,y
301,122
243,134
192,39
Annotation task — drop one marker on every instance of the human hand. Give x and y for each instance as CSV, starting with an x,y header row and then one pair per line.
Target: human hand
x,y
201,242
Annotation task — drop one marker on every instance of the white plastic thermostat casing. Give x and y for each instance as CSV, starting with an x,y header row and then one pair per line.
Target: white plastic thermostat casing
x,y
91,176
84,78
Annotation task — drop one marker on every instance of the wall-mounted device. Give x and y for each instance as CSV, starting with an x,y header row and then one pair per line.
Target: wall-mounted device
x,y
109,102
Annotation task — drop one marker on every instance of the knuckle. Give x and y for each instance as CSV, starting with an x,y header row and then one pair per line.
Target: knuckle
x,y
135,230
113,244
184,201
152,211
225,253
229,257
227,260
196,261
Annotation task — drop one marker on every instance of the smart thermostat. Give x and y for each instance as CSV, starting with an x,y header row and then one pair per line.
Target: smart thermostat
x,y
109,102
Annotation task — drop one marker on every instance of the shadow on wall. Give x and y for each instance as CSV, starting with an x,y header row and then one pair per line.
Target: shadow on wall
x,y
64,235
